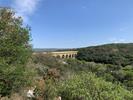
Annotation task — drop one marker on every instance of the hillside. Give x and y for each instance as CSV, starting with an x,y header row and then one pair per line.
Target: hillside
x,y
118,54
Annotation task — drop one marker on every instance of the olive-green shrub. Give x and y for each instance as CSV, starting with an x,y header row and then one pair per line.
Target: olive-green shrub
x,y
86,86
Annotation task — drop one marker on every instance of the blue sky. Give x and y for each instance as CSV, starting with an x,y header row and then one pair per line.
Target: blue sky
x,y
75,23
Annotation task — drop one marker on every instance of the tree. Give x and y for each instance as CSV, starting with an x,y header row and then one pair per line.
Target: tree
x,y
14,38
14,51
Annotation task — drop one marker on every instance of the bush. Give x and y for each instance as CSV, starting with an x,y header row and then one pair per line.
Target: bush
x,y
14,52
46,59
86,86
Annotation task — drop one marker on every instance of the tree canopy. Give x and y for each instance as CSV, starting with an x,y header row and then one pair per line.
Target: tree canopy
x,y
14,38
14,51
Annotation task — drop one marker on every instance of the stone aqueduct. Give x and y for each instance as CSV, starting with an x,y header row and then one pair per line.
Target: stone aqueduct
x,y
61,54
65,54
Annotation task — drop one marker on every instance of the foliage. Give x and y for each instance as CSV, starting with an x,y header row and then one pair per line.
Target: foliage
x,y
50,90
46,87
111,73
115,74
46,60
14,52
118,54
86,86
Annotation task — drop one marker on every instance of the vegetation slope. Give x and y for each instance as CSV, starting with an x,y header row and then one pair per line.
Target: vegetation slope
x,y
117,54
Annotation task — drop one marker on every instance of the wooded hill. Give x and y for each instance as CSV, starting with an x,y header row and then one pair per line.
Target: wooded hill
x,y
118,54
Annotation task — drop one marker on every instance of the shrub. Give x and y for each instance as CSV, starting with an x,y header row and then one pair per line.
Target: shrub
x,y
86,86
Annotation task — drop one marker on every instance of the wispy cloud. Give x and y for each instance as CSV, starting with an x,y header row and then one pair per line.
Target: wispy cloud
x,y
25,8
117,40
83,7
123,29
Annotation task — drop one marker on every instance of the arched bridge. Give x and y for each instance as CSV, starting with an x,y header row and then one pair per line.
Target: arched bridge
x,y
65,54
61,54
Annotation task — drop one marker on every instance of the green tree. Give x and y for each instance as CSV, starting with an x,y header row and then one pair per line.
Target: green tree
x,y
14,38
14,51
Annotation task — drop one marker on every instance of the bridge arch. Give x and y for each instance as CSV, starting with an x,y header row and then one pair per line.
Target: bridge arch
x,y
58,56
70,56
67,56
63,56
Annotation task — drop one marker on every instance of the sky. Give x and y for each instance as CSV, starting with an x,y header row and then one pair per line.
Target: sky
x,y
75,23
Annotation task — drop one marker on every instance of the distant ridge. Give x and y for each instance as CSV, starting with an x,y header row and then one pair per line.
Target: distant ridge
x,y
52,49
